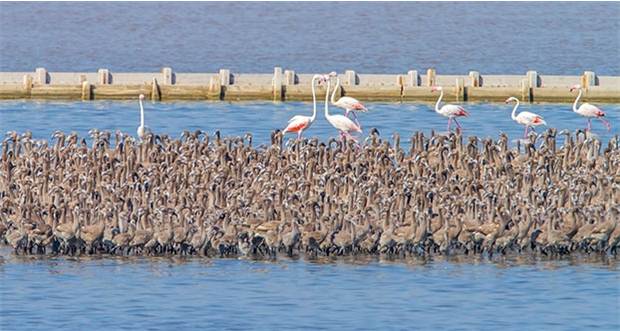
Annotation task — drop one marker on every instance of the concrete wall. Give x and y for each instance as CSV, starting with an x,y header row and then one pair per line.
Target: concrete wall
x,y
282,84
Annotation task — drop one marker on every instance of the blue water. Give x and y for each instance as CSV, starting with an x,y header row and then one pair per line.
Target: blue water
x,y
164,294
260,118
494,38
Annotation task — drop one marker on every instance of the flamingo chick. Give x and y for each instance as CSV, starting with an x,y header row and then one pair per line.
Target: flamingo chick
x,y
450,111
299,123
349,104
142,129
525,117
588,110
340,122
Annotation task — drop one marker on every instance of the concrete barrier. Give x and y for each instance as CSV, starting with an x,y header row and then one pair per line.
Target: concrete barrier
x,y
283,85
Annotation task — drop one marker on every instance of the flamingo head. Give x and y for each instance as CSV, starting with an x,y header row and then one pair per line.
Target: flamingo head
x,y
436,88
141,96
511,99
575,87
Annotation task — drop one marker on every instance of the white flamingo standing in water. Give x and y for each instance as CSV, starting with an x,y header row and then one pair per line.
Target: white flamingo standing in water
x,y
349,104
450,111
340,122
525,117
142,129
299,123
588,110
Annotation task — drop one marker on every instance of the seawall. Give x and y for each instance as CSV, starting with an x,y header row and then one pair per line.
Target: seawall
x,y
283,85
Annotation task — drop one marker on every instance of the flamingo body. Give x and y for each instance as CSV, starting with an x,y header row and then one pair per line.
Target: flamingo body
x,y
299,123
450,111
588,110
525,117
344,124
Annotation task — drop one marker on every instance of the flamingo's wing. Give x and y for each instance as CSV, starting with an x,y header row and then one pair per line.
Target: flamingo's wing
x,y
350,103
297,123
344,123
527,118
453,110
590,110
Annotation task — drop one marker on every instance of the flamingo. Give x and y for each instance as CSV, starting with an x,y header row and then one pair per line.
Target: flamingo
x,y
525,117
299,123
340,122
349,104
450,111
142,129
588,110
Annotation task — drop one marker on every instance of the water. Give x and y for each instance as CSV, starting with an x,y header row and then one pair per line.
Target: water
x,y
494,38
260,118
161,293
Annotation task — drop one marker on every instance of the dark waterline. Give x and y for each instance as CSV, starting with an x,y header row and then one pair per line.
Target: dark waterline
x,y
492,37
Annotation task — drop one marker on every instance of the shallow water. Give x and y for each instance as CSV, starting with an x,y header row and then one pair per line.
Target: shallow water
x,y
494,38
161,293
260,118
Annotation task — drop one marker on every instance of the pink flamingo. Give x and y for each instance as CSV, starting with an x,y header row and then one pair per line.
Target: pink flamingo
x,y
340,122
349,104
525,117
299,123
450,111
588,110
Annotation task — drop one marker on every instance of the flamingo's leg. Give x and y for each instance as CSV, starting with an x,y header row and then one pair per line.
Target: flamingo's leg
x,y
299,134
457,123
525,133
589,125
356,121
449,121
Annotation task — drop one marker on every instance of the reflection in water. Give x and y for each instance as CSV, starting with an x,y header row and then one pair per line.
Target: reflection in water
x,y
577,292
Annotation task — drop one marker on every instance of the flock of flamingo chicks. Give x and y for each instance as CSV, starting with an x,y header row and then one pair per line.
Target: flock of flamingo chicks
x,y
221,196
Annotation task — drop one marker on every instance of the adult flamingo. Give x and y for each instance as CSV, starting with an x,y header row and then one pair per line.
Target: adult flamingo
x,y
299,123
142,129
349,104
525,117
340,122
450,111
588,110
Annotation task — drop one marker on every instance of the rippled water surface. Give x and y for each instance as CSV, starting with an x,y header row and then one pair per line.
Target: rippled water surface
x,y
486,120
160,293
501,38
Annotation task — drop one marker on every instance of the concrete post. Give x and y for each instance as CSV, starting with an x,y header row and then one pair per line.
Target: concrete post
x,y
350,77
86,91
533,79
430,77
104,76
459,89
27,83
82,78
526,91
277,83
224,77
588,79
166,73
475,78
40,76
155,92
289,77
413,79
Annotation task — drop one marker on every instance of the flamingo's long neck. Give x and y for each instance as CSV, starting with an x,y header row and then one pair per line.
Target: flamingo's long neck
x,y
577,100
335,89
141,113
438,101
327,100
313,99
514,111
